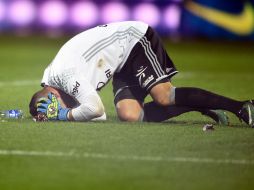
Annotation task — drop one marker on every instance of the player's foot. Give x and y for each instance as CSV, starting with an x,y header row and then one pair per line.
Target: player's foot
x,y
246,114
219,116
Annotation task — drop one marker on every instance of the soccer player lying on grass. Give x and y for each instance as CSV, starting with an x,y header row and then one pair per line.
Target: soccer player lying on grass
x,y
132,54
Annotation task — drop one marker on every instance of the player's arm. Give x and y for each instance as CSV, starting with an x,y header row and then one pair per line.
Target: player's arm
x,y
90,108
90,104
101,118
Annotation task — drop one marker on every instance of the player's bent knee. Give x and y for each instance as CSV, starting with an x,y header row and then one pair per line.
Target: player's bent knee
x,y
163,94
162,101
162,98
128,116
128,110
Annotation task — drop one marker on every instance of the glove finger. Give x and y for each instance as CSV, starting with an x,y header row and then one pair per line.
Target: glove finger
x,y
42,105
53,98
50,96
55,101
42,110
47,101
42,100
45,107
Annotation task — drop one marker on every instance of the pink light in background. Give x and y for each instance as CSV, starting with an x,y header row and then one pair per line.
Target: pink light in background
x,y
21,12
148,13
2,10
53,13
172,17
84,13
113,12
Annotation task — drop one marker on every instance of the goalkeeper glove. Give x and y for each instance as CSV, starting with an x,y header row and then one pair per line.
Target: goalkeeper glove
x,y
52,108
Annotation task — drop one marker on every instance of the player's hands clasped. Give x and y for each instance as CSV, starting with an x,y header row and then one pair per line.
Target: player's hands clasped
x,y
52,108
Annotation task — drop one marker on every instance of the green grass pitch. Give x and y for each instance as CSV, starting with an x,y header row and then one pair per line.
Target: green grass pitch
x,y
175,154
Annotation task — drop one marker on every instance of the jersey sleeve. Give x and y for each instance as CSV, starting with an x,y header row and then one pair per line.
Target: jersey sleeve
x,y
90,104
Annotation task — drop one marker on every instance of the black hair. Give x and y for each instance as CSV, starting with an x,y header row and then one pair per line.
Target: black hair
x,y
34,100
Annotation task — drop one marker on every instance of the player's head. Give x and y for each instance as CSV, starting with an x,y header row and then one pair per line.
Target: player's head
x,y
43,93
64,99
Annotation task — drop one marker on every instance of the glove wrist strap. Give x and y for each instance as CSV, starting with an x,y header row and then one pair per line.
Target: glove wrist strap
x,y
63,114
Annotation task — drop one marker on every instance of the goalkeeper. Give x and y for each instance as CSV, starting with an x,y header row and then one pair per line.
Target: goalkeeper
x,y
132,54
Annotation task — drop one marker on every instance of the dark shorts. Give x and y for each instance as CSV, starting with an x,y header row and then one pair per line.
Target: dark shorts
x,y
147,65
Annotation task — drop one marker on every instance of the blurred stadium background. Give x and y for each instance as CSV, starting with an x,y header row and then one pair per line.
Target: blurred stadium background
x,y
175,18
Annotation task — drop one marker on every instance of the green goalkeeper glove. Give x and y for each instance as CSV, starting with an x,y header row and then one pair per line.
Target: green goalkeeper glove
x,y
52,108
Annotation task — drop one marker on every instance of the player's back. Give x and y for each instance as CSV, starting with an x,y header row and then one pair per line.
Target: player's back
x,y
98,52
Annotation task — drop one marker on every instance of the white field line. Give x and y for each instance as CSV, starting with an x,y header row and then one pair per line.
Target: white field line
x,y
182,75
126,157
20,83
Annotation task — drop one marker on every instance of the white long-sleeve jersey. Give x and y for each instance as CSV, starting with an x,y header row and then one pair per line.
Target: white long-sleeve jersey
x,y
87,62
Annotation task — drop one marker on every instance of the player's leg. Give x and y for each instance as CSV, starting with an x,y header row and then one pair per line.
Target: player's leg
x,y
128,108
165,94
156,113
129,98
153,70
203,98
